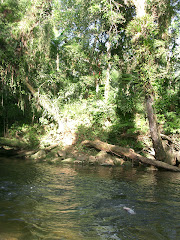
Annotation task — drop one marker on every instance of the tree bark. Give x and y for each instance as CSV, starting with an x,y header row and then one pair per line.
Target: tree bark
x,y
160,153
128,152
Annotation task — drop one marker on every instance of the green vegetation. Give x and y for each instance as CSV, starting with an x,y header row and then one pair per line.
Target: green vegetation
x,y
76,70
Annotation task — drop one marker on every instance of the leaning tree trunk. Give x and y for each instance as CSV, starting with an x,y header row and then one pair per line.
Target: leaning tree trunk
x,y
160,153
146,62
46,103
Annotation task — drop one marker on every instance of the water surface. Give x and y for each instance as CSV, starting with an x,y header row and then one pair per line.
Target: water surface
x,y
42,201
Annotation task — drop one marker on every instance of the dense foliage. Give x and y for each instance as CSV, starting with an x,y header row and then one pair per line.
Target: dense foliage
x,y
58,56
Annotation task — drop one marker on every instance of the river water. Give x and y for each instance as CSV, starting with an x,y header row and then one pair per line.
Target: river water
x,y
43,201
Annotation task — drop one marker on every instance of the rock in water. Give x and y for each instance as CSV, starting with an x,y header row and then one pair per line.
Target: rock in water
x,y
129,210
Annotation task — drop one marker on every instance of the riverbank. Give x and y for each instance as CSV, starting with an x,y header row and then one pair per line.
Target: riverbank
x,y
69,154
45,141
89,153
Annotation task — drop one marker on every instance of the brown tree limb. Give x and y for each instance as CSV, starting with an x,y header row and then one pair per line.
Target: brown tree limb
x,y
128,152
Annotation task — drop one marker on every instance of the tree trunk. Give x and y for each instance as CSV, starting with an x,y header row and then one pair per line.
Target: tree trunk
x,y
46,103
128,152
107,82
140,7
97,86
160,153
57,62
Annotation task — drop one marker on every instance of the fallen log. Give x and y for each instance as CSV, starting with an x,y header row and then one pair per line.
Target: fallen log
x,y
48,149
129,153
12,143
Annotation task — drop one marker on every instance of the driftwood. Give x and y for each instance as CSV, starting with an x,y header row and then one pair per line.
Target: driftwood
x,y
129,153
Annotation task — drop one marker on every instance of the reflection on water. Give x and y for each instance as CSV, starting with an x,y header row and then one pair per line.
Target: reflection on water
x,y
41,201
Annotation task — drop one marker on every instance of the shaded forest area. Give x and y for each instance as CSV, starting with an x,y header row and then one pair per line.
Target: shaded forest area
x,y
72,71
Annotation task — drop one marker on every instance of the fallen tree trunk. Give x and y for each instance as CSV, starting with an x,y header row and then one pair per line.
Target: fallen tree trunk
x,y
129,153
48,149
12,143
